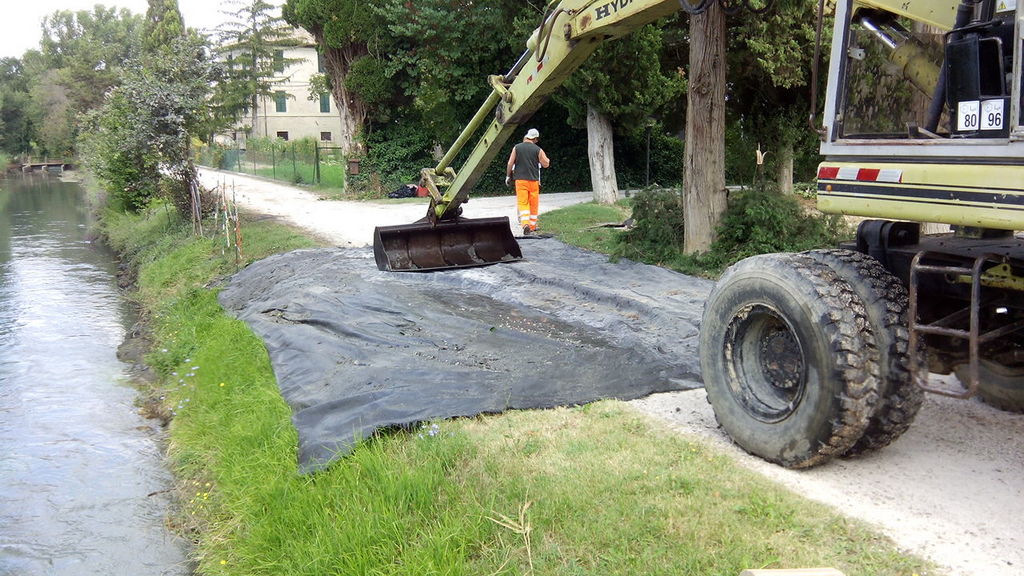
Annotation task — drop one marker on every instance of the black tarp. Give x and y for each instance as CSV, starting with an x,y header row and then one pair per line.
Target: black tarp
x,y
355,350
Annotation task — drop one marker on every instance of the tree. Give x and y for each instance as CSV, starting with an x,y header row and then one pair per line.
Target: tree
x,y
171,95
163,27
771,52
251,48
81,56
113,150
601,153
52,109
770,49
145,128
424,62
14,103
441,52
621,85
704,192
89,48
344,30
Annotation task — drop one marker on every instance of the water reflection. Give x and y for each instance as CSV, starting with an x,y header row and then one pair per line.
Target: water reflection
x,y
78,466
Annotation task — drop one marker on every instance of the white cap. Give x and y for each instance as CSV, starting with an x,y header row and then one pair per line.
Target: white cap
x,y
532,134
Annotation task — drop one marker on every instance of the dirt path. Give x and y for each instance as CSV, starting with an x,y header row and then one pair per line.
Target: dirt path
x,y
351,223
951,489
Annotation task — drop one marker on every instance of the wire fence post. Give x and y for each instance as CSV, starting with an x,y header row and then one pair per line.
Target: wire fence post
x,y
316,163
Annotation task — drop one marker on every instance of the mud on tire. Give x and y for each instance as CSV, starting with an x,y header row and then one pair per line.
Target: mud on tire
x,y
886,303
789,360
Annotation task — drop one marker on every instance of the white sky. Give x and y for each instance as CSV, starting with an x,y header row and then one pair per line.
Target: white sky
x,y
21,24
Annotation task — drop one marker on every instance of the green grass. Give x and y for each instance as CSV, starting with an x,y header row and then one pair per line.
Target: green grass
x,y
331,176
169,260
594,490
583,224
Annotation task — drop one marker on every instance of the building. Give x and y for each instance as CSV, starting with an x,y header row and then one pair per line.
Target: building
x,y
289,114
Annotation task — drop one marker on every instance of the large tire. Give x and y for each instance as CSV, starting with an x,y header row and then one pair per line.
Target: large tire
x,y
789,360
886,303
999,386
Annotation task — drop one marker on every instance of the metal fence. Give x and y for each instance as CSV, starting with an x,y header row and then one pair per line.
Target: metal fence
x,y
300,162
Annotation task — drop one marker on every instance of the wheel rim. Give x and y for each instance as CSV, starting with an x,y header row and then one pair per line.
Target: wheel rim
x,y
766,362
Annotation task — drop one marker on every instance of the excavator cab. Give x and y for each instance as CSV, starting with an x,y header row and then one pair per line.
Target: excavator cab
x,y
923,113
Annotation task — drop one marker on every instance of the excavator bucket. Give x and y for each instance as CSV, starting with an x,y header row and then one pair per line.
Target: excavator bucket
x,y
458,243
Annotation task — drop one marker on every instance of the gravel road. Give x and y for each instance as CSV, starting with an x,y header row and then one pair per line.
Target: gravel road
x,y
951,489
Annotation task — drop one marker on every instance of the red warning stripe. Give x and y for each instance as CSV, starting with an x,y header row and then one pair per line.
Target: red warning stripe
x,y
867,174
894,175
828,172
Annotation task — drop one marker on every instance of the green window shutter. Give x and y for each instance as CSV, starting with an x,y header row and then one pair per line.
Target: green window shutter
x,y
325,103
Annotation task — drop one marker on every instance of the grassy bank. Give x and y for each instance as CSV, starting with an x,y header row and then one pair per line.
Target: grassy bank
x,y
591,490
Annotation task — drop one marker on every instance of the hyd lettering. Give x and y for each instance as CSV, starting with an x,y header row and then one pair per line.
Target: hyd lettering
x,y
612,7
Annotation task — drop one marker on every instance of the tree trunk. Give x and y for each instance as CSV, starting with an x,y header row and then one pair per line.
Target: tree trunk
x,y
254,108
784,169
254,104
191,194
351,110
602,157
704,191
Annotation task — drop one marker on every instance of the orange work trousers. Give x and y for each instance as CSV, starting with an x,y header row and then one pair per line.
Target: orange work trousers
x,y
528,201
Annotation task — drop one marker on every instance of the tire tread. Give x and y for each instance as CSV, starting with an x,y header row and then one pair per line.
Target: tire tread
x,y
847,329
886,302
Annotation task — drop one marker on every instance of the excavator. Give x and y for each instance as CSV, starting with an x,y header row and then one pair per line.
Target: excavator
x,y
810,356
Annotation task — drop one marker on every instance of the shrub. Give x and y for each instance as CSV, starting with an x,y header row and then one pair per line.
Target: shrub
x,y
128,177
762,220
395,154
657,235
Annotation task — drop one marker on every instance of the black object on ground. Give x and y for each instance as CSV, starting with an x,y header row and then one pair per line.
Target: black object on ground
x,y
356,350
404,191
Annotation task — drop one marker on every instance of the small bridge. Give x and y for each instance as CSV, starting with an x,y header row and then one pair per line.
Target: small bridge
x,y
52,166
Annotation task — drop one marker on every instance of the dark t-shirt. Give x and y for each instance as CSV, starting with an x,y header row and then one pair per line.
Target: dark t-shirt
x,y
527,162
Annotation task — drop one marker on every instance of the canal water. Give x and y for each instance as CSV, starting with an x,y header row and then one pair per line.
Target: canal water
x,y
84,487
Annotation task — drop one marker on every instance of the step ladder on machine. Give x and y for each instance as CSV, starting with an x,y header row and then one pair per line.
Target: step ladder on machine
x,y
953,325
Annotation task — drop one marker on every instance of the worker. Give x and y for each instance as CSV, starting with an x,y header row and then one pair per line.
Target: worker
x,y
524,164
